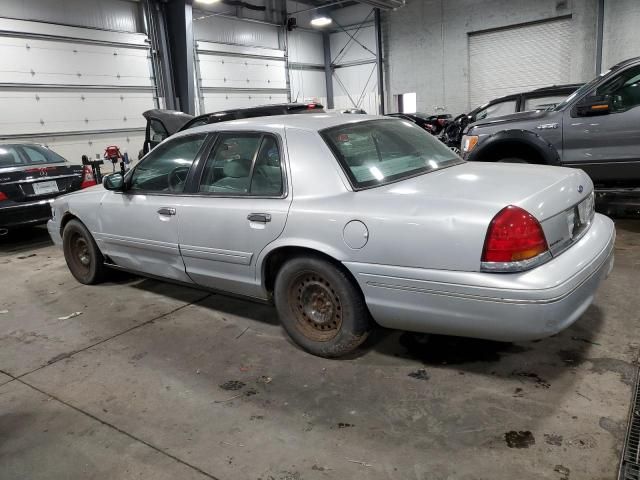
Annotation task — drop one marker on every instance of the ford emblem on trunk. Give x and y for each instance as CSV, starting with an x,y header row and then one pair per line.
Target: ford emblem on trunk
x,y
580,188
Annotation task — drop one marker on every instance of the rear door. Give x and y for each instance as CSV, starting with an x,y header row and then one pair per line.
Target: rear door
x,y
33,172
607,146
242,205
138,228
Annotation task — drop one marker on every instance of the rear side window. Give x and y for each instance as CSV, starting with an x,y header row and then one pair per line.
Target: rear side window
x,y
18,155
496,110
376,152
543,103
244,164
9,157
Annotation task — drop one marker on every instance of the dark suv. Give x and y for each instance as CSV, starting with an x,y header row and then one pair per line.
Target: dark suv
x,y
597,128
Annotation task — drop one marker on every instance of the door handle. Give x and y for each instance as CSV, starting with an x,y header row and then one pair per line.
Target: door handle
x,y
167,211
259,217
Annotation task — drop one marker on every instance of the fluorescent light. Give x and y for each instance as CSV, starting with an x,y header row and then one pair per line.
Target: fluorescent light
x,y
207,2
321,21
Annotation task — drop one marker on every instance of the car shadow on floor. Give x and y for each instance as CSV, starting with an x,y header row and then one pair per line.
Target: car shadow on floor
x,y
569,348
24,240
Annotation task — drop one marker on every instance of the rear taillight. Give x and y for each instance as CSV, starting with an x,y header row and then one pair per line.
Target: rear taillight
x,y
515,241
3,196
87,177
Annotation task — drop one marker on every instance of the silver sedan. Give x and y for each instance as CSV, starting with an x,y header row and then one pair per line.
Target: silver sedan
x,y
344,222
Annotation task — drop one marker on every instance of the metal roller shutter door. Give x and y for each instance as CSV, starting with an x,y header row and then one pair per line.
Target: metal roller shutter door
x,y
73,89
519,59
231,76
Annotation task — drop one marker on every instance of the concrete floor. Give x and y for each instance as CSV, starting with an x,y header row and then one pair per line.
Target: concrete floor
x,y
158,381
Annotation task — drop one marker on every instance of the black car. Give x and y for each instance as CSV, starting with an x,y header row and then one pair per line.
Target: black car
x,y
431,123
540,99
31,176
164,123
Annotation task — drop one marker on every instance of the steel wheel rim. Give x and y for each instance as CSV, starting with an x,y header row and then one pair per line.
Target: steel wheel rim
x,y
316,307
80,254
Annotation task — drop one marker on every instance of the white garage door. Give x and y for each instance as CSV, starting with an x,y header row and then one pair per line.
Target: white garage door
x,y
74,89
518,59
232,76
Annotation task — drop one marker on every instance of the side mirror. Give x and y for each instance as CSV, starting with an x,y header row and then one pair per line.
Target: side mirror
x,y
115,182
593,105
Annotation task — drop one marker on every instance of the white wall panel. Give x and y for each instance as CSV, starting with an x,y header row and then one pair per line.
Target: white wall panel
x,y
33,61
306,47
228,30
119,15
214,101
361,82
308,85
621,31
353,51
26,28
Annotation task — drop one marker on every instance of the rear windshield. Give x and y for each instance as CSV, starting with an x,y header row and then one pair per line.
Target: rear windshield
x,y
19,155
377,152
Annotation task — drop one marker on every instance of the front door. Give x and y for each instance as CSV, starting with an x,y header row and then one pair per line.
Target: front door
x,y
139,227
241,206
608,146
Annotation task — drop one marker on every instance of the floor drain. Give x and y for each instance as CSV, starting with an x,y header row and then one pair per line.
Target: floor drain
x,y
630,465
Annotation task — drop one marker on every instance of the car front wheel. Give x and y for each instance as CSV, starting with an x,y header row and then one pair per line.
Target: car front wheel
x,y
320,307
84,259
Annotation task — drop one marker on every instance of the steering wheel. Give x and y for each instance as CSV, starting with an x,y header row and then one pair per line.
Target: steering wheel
x,y
177,178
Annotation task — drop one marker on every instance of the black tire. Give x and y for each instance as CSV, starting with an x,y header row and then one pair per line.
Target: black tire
x,y
84,259
320,307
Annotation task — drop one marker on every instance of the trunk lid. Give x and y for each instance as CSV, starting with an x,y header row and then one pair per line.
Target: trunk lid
x,y
439,220
31,172
542,190
28,183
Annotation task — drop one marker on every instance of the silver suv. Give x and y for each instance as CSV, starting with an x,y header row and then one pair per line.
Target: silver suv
x,y
597,128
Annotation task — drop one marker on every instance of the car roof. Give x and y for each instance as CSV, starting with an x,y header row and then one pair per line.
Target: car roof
x,y
310,122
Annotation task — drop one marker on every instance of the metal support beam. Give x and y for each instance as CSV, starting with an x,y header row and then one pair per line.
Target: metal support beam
x,y
599,32
328,71
378,25
180,40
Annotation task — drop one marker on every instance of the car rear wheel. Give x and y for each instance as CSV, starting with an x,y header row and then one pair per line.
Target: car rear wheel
x,y
83,257
320,308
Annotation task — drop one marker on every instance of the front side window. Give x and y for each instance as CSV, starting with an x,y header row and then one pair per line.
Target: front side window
x,y
244,164
496,110
623,90
376,152
165,169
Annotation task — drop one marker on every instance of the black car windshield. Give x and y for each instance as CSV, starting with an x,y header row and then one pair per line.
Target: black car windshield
x,y
376,152
19,155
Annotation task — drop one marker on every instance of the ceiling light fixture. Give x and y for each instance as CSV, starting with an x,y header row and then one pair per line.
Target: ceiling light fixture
x,y
320,21
207,2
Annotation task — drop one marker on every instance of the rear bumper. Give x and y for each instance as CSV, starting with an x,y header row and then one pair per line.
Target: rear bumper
x,y
23,214
505,307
